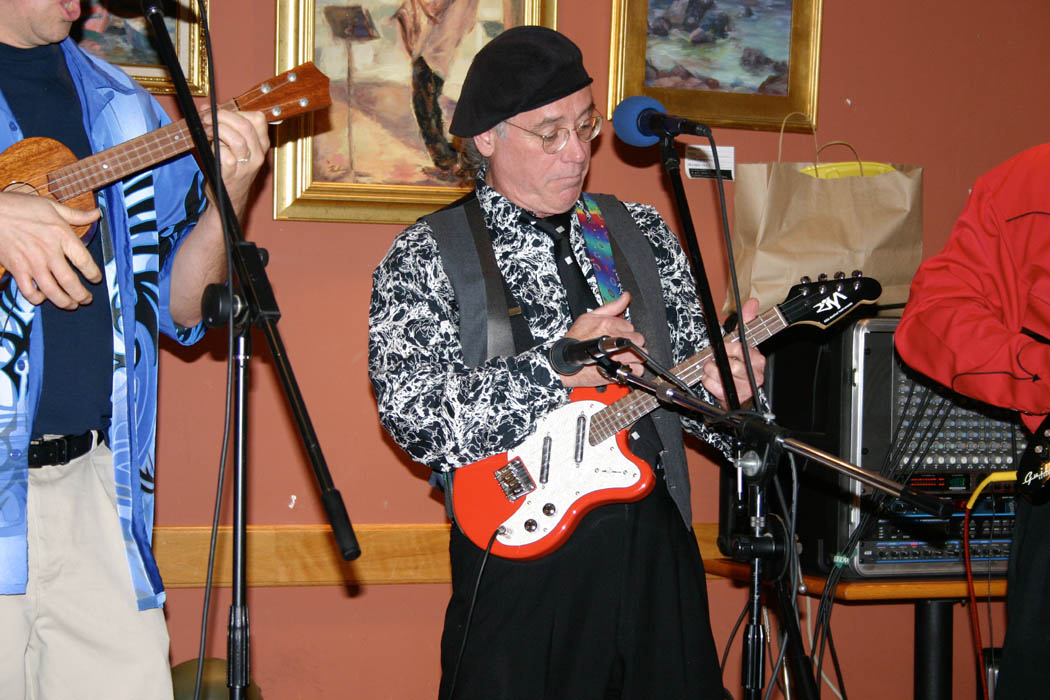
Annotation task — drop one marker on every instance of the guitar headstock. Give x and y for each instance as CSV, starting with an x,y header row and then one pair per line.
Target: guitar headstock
x,y
297,91
825,301
1033,469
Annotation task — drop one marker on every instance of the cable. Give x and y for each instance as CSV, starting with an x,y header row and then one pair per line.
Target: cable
x,y
775,667
470,614
217,192
759,399
732,635
904,437
835,663
975,624
809,631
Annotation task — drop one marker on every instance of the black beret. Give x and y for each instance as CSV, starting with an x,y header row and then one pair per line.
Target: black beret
x,y
521,69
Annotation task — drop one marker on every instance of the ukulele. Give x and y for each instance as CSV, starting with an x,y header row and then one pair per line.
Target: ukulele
x,y
45,167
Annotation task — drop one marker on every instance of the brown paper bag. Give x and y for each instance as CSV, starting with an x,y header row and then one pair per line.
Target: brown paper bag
x,y
789,224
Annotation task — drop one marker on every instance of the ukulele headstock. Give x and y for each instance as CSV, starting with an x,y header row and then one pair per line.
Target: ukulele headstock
x,y
297,91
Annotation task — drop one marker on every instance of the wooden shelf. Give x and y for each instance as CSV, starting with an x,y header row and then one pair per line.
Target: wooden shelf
x,y
878,589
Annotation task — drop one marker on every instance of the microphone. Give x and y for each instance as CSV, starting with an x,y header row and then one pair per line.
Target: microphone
x,y
640,121
568,356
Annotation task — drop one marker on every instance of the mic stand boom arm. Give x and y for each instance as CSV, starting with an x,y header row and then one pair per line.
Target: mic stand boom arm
x,y
753,429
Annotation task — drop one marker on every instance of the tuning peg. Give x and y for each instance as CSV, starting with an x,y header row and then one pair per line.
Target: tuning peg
x,y
805,279
857,273
822,277
840,275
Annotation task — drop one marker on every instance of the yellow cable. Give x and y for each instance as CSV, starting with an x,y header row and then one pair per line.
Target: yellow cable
x,y
995,476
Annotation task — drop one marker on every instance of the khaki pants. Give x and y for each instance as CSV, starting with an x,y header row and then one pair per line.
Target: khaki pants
x,y
77,632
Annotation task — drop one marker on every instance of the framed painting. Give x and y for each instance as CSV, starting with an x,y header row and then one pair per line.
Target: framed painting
x,y
381,153
743,64
116,31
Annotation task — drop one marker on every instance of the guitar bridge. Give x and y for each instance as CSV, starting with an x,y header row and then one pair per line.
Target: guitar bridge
x,y
514,479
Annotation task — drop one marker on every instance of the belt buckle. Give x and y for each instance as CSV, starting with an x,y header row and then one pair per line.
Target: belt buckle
x,y
61,450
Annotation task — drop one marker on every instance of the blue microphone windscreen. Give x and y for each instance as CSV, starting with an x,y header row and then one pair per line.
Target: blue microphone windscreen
x,y
625,120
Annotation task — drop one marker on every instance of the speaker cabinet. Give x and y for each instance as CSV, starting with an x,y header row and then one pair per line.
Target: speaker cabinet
x,y
847,392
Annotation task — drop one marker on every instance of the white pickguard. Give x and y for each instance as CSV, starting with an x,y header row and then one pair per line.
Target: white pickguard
x,y
602,466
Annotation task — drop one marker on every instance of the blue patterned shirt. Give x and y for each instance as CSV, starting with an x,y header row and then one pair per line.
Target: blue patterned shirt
x,y
142,233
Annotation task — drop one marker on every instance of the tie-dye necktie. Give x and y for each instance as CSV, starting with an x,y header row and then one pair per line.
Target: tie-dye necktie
x,y
596,236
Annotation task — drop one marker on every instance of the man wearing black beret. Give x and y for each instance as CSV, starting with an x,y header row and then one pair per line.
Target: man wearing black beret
x,y
470,312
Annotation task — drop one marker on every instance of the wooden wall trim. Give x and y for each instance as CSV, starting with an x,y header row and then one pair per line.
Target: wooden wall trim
x,y
306,555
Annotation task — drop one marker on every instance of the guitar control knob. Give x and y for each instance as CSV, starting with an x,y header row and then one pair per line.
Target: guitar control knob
x,y
549,509
530,525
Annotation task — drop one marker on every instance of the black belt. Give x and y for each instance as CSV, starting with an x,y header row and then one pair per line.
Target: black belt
x,y
61,450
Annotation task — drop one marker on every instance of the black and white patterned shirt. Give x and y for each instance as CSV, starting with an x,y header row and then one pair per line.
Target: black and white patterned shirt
x,y
446,415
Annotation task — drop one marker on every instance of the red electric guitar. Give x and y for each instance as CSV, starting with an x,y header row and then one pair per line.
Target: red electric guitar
x,y
47,168
577,458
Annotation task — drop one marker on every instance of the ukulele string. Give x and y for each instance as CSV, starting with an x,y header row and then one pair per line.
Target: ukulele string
x,y
140,147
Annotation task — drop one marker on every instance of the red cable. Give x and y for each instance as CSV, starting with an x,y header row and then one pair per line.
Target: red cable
x,y
975,624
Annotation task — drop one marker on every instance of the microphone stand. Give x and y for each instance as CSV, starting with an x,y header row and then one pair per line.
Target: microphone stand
x,y
756,430
758,545
672,166
260,309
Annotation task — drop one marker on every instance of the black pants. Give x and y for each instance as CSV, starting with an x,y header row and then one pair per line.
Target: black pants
x,y
619,611
1024,672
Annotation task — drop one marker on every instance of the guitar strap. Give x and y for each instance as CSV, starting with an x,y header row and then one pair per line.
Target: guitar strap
x,y
636,267
490,320
487,326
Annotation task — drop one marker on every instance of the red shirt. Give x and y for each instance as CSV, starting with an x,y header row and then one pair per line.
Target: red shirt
x,y
967,305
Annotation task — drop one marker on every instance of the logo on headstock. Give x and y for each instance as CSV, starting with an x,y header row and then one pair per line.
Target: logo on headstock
x,y
831,303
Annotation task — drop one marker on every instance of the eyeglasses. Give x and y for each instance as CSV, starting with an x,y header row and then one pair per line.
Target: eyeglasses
x,y
556,140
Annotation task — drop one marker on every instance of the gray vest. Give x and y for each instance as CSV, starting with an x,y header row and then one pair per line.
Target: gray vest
x,y
466,252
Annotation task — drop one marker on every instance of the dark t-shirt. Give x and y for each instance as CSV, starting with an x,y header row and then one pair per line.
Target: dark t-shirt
x,y
78,348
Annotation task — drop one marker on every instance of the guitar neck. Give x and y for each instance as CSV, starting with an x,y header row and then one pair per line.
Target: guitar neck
x,y
114,163
625,412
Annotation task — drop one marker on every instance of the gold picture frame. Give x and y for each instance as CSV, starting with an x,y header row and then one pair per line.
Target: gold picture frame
x,y
116,31
681,65
316,176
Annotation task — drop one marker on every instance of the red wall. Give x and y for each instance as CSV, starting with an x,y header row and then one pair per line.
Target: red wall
x,y
949,86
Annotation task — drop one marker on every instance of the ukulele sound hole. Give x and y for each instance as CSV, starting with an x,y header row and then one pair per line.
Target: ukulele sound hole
x,y
20,188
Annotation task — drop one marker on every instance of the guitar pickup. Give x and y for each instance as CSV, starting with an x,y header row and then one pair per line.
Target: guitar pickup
x,y
514,479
